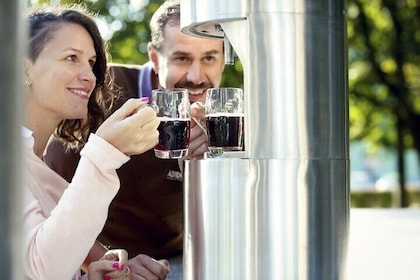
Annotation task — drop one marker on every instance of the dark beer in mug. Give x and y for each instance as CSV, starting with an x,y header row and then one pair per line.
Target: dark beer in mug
x,y
225,130
174,136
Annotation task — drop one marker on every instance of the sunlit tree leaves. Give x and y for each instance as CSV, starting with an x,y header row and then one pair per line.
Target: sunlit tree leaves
x,y
384,75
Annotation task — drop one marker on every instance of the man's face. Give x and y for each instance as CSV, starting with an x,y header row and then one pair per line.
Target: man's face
x,y
189,62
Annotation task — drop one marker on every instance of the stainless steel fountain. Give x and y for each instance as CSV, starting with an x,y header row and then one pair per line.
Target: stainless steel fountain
x,y
282,210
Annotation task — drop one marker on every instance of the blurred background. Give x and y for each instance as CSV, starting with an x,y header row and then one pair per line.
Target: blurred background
x,y
384,88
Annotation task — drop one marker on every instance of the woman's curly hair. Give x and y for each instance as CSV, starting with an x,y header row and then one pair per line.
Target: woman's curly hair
x,y
43,21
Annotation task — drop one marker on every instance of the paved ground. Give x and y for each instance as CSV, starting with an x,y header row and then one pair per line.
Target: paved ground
x,y
384,244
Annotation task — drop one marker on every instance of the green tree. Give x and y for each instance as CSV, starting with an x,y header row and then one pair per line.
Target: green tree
x,y
384,75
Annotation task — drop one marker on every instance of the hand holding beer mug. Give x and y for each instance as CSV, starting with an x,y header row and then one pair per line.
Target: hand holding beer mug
x,y
224,120
173,109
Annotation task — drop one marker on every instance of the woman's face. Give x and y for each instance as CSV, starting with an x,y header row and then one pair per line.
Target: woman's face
x,y
62,77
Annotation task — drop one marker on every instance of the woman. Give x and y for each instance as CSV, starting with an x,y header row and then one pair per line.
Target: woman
x,y
114,261
67,91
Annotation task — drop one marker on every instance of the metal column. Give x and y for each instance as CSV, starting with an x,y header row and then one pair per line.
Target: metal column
x,y
282,211
11,112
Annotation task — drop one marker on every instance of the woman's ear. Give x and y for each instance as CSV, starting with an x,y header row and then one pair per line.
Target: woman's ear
x,y
27,66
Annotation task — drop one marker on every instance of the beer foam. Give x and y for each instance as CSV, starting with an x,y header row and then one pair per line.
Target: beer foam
x,y
165,119
224,114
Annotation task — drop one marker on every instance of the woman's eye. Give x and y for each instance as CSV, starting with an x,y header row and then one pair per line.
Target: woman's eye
x,y
92,63
71,58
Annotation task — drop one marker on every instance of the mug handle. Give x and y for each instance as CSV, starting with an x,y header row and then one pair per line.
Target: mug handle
x,y
199,119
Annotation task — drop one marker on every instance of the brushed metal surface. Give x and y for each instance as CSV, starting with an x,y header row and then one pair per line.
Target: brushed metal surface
x,y
280,211
265,219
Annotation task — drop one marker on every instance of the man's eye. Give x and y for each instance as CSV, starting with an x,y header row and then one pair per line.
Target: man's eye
x,y
181,58
210,58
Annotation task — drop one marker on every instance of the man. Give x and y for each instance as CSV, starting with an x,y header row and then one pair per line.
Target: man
x,y
146,217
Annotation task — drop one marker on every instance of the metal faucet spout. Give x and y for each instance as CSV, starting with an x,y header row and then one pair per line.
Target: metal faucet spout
x,y
229,54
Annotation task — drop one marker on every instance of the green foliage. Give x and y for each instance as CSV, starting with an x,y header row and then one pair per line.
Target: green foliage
x,y
384,71
381,199
371,200
128,23
383,38
233,75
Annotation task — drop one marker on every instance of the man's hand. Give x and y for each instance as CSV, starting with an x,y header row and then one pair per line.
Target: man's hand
x,y
198,134
143,267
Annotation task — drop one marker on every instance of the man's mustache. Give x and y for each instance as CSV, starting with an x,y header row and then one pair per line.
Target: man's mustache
x,y
190,85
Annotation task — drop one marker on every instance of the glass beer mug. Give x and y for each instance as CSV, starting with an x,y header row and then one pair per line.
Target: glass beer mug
x,y
224,120
173,109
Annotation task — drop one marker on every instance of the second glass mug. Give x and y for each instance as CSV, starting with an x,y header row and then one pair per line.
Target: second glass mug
x,y
173,110
224,120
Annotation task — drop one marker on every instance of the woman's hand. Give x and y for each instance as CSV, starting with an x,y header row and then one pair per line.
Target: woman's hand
x,y
132,129
113,265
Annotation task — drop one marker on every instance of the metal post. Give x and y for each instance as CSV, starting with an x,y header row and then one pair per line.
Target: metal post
x,y
282,211
11,112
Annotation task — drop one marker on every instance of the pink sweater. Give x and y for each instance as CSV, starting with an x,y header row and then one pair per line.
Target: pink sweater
x,y
61,220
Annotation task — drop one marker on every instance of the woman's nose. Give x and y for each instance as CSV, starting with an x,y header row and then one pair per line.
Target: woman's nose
x,y
87,75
